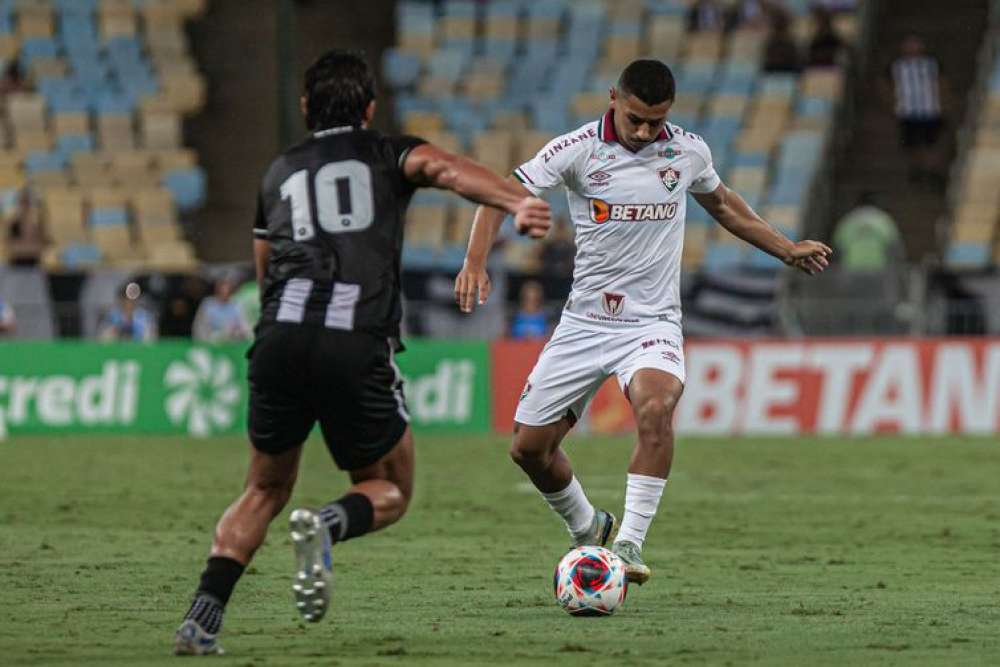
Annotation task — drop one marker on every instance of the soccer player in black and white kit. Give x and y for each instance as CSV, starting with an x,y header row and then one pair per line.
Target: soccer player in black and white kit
x,y
328,238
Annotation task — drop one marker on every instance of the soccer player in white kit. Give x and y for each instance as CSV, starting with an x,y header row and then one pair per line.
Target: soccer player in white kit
x,y
627,176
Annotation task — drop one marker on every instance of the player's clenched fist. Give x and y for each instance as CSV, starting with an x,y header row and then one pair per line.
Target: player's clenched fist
x,y
810,256
533,217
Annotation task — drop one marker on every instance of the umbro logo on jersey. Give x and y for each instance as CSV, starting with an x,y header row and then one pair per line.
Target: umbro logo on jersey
x,y
599,178
612,303
670,177
669,153
601,211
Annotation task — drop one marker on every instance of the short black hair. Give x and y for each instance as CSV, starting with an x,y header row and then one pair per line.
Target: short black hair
x,y
649,80
339,86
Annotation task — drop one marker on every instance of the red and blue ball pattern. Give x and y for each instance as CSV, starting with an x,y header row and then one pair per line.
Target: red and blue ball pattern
x,y
590,581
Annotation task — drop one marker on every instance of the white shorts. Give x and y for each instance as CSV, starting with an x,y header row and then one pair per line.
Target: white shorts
x,y
576,362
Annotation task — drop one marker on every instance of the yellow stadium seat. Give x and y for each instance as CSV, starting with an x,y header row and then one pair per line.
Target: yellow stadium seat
x,y
826,82
63,211
590,105
484,85
71,122
26,110
11,179
30,141
457,27
180,158
495,150
501,28
728,105
528,144
620,49
107,197
34,21
160,131
115,132
42,68
703,46
10,45
542,28
425,225
748,179
444,140
511,120
421,122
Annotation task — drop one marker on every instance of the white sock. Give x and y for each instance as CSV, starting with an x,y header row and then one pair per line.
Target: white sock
x,y
642,495
572,505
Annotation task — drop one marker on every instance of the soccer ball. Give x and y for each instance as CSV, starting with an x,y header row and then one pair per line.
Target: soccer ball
x,y
590,581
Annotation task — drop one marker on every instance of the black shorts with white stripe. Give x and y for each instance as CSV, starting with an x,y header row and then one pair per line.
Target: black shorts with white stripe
x,y
348,381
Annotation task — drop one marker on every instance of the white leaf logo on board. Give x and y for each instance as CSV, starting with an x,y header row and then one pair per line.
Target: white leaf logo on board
x,y
201,392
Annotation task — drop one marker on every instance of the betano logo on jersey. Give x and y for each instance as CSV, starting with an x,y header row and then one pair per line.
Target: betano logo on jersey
x,y
601,212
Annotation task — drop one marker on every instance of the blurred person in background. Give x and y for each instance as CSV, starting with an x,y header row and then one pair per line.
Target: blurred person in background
x,y
826,45
8,323
781,52
13,80
180,306
23,229
128,321
530,320
706,16
219,318
866,238
917,86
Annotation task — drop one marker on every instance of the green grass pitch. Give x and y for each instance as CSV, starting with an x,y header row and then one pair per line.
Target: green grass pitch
x,y
798,551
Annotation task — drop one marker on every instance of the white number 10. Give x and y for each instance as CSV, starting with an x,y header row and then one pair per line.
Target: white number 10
x,y
343,199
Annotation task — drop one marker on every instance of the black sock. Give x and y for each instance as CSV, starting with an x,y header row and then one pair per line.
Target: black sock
x,y
220,577
217,583
348,517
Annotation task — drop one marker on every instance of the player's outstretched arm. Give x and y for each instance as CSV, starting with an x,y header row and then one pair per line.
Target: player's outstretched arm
x,y
473,280
429,165
732,212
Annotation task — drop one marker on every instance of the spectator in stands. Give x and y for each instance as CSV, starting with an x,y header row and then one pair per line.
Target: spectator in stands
x,y
781,53
220,318
8,323
706,16
23,230
128,321
530,321
867,239
826,46
180,306
917,83
13,80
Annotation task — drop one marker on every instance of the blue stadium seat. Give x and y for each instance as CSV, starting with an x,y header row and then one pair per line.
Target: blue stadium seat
x,y
749,160
448,63
500,50
38,47
107,216
722,256
40,161
70,144
187,186
783,84
967,255
666,7
814,106
459,9
400,68
409,103
80,254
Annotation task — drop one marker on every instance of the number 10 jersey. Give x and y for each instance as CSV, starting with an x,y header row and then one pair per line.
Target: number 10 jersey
x,y
332,208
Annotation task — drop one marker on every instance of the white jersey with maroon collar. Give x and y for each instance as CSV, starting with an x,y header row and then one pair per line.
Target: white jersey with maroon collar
x,y
628,211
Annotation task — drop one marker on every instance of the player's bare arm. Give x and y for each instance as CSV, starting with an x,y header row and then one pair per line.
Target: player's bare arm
x,y
261,252
732,212
473,279
432,166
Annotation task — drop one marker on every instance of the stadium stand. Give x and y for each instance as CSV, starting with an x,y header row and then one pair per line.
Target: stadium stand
x,y
97,138
500,79
971,228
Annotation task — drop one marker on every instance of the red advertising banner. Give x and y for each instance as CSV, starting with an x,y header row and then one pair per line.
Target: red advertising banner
x,y
817,386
